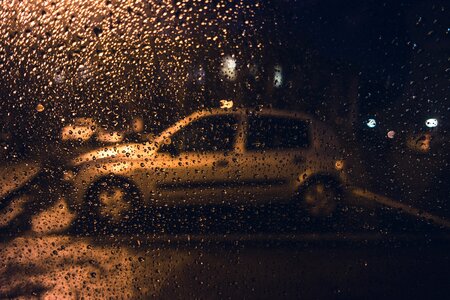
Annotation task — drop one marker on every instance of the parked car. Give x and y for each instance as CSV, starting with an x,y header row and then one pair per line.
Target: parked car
x,y
16,181
217,156
16,175
82,129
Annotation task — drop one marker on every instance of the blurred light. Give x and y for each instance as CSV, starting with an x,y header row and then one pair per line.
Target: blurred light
x,y
277,76
371,123
430,123
229,67
424,142
339,165
391,134
40,107
200,74
230,63
226,103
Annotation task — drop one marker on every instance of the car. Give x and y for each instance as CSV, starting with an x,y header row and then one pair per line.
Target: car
x,y
215,156
82,129
16,182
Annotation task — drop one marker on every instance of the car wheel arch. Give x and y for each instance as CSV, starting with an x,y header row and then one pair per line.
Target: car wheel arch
x,y
120,180
322,177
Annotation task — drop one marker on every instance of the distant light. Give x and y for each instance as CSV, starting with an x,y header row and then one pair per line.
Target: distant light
x,y
226,103
230,63
277,76
40,107
229,67
371,123
200,74
391,134
430,123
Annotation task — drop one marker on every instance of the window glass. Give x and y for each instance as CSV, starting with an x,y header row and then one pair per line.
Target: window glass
x,y
208,134
265,133
326,166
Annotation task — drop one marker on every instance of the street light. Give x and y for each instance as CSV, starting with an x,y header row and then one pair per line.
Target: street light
x,y
431,123
371,123
229,67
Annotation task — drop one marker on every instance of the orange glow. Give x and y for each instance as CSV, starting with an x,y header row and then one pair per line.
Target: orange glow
x,y
339,164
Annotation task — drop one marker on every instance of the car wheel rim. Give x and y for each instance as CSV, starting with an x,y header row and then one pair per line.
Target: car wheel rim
x,y
320,200
113,204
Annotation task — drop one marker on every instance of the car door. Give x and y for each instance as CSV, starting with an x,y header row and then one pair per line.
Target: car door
x,y
198,161
276,151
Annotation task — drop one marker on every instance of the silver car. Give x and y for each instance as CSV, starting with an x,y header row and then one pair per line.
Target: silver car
x,y
216,156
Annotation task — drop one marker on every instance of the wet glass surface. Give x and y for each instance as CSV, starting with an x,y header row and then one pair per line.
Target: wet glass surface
x,y
224,149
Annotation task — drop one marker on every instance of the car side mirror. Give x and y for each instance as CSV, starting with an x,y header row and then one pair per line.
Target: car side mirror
x,y
173,149
170,147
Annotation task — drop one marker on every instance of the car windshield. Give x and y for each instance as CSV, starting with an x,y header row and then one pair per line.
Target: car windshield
x,y
224,149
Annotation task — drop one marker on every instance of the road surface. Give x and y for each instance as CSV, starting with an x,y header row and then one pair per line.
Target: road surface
x,y
384,249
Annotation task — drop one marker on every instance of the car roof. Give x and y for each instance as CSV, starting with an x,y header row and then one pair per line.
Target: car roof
x,y
250,111
224,111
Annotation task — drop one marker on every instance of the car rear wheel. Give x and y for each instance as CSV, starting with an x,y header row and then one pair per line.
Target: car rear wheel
x,y
113,201
320,198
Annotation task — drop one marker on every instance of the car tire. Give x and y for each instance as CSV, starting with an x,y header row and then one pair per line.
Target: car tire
x,y
320,198
113,202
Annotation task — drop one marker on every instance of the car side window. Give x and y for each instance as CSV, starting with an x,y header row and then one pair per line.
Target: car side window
x,y
266,133
208,134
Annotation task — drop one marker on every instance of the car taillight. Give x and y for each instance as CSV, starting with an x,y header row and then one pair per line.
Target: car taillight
x,y
339,164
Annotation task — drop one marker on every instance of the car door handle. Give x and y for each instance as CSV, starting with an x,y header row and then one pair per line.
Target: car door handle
x,y
222,163
299,160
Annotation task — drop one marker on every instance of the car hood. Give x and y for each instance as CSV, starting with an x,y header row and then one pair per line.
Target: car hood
x,y
125,151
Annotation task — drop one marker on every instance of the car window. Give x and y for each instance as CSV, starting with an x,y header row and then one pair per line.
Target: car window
x,y
267,132
207,134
